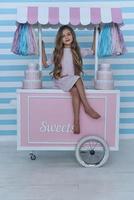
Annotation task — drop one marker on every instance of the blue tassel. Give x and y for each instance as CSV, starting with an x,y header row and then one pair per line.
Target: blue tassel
x,y
105,41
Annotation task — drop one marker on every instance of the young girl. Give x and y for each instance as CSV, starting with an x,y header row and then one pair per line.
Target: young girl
x,y
67,62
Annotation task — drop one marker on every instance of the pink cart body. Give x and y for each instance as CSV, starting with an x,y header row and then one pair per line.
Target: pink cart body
x,y
45,119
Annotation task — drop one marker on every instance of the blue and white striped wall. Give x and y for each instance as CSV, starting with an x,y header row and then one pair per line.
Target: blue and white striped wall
x,y
12,66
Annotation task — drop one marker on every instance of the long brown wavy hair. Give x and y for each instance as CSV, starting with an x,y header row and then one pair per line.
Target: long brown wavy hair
x,y
58,53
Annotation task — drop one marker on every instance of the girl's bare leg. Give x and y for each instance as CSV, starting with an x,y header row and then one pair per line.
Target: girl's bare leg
x,y
76,108
88,109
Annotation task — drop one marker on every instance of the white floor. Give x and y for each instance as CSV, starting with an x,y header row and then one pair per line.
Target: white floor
x,y
57,175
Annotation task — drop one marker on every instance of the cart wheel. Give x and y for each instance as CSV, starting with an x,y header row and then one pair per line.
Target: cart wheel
x,y
32,156
92,151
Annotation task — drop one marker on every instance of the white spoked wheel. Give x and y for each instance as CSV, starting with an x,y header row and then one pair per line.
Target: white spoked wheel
x,y
92,151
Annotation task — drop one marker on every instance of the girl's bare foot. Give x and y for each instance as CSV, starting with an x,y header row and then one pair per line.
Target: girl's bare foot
x,y
76,128
92,113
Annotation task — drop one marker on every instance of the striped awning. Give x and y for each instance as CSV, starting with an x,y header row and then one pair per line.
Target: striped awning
x,y
69,15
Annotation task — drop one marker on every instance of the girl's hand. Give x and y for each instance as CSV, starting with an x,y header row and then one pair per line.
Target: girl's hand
x,y
44,63
64,76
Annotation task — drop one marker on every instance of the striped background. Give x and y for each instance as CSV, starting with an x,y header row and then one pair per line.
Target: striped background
x,y
12,66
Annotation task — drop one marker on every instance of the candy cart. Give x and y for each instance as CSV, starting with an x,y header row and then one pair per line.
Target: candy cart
x,y
45,116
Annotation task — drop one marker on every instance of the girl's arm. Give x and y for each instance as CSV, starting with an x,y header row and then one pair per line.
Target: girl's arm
x,y
45,62
44,57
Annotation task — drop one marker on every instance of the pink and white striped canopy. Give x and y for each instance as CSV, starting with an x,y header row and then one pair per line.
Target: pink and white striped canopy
x,y
69,15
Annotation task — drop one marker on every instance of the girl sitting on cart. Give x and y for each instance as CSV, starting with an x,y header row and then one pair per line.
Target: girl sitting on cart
x,y
67,60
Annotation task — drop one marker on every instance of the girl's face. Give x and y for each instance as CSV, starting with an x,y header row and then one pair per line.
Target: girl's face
x,y
67,38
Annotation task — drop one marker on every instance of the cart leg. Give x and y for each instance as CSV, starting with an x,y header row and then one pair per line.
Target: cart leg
x,y
32,155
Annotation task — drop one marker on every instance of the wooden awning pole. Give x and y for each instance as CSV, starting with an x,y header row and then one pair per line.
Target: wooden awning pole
x,y
96,49
40,46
